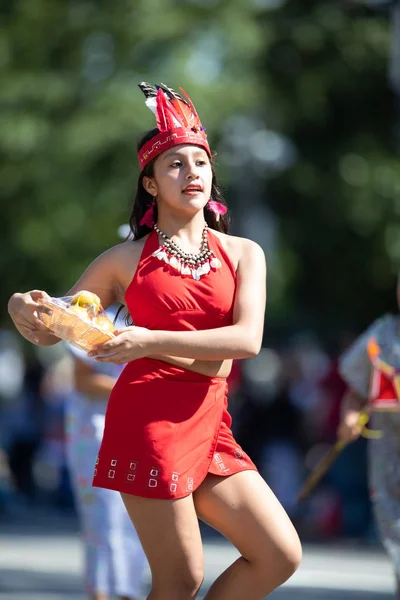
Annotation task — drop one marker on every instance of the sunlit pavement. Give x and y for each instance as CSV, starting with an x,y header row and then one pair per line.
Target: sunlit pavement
x,y
41,560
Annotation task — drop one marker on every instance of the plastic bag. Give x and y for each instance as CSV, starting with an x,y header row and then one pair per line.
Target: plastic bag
x,y
79,320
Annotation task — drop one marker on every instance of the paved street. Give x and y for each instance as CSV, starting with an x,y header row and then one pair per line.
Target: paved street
x,y
41,560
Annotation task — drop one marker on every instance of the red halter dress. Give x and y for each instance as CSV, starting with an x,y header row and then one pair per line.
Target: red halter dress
x,y
167,427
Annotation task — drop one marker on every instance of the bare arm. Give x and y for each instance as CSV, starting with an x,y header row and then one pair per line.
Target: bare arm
x,y
352,402
352,406
102,277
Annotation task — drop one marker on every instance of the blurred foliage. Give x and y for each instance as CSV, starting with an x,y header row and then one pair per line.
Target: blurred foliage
x,y
315,72
339,205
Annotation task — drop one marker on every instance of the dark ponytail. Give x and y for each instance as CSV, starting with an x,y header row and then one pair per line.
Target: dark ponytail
x,y
143,199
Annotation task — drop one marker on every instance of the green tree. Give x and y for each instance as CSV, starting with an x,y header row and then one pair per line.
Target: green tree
x,y
339,204
70,113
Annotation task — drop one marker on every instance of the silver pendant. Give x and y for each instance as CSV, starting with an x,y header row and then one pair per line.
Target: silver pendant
x,y
196,273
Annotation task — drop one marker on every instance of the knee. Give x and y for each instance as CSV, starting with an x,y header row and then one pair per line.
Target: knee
x,y
182,584
190,582
288,559
277,567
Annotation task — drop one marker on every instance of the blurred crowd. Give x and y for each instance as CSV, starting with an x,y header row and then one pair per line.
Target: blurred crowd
x,y
285,405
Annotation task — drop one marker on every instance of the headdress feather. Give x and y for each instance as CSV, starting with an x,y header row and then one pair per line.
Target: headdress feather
x,y
176,118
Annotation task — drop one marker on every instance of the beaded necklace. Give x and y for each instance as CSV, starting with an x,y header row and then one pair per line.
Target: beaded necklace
x,y
194,265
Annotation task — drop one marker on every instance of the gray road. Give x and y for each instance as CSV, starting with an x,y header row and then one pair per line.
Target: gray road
x,y
41,560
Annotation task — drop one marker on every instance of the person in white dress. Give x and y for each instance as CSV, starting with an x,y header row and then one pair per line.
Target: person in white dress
x,y
114,559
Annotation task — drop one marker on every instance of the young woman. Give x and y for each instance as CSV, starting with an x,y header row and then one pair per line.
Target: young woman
x,y
114,558
197,299
371,368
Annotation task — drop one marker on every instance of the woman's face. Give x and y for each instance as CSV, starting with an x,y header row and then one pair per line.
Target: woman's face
x,y
182,179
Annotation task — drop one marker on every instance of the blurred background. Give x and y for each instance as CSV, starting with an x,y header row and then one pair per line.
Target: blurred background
x,y
301,104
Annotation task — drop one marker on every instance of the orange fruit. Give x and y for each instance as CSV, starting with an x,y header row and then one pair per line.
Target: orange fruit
x,y
86,299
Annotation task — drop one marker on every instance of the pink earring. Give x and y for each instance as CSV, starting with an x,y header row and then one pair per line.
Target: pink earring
x,y
148,217
217,208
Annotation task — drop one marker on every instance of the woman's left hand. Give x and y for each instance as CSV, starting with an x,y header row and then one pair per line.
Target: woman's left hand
x,y
128,344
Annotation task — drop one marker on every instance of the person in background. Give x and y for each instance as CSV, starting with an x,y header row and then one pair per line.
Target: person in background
x,y
114,559
373,387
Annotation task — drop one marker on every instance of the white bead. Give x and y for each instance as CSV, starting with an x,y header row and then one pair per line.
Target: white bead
x,y
173,261
205,268
200,270
158,252
195,274
215,263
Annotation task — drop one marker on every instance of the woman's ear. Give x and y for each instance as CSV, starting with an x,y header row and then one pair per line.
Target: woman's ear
x,y
150,186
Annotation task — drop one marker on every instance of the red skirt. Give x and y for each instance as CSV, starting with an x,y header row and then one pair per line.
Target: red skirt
x,y
165,429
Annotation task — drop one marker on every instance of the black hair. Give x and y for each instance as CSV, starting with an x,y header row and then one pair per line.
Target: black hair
x,y
143,199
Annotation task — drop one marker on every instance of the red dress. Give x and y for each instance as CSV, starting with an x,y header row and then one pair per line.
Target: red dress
x,y
167,427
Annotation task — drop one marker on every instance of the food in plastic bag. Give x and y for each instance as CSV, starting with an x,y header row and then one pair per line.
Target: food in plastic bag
x,y
104,322
88,300
79,320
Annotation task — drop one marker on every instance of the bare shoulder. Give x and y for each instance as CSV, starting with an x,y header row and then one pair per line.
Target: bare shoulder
x,y
127,250
119,255
110,274
240,250
125,258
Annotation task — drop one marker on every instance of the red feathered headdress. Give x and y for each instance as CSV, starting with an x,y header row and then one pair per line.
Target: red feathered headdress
x,y
177,121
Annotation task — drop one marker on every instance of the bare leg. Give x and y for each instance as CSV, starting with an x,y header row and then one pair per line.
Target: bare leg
x,y
169,533
243,508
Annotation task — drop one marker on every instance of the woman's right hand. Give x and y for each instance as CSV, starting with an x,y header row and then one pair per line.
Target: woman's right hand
x,y
24,309
350,428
